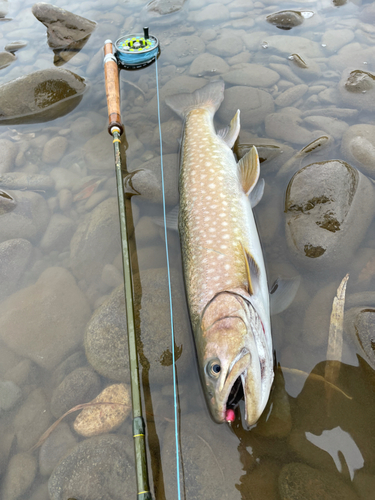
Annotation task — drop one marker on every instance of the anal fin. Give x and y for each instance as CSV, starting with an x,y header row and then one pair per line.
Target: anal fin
x,y
249,169
252,270
230,133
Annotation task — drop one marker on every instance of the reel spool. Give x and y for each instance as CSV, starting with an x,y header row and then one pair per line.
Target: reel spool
x,y
137,50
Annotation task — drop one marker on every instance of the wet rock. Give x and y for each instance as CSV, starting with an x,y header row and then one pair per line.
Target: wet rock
x,y
65,198
95,199
287,44
10,394
211,13
203,478
76,360
164,7
29,218
97,468
329,206
40,493
96,242
304,67
261,481
359,325
32,419
64,178
8,152
19,476
98,152
55,447
54,149
255,105
287,19
225,46
105,338
14,257
40,96
184,50
208,65
335,39
80,386
177,85
14,46
58,233
105,418
252,75
297,481
145,231
330,125
23,180
24,371
171,134
7,202
6,58
291,95
45,321
111,276
287,127
358,145
357,89
63,27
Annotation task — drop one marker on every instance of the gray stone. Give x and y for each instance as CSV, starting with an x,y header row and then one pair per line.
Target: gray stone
x,y
334,39
287,44
63,27
171,134
14,257
329,206
64,178
55,447
251,75
58,233
32,419
304,67
40,96
255,105
80,386
164,7
45,321
23,180
208,65
99,468
105,337
330,125
359,324
6,58
19,476
76,360
96,242
40,493
98,152
24,371
357,89
10,394
8,153
285,19
111,276
7,202
358,146
29,218
287,127
54,149
211,13
299,481
14,46
95,199
184,50
291,95
225,46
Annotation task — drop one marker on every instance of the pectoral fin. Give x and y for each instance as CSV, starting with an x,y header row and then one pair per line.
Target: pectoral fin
x,y
249,170
230,134
282,293
252,270
257,193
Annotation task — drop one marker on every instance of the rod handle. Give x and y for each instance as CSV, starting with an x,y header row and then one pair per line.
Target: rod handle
x,y
112,87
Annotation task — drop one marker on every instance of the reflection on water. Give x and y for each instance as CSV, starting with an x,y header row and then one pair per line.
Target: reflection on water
x,y
306,94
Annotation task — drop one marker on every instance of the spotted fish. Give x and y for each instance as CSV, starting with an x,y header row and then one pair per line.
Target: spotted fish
x,y
224,271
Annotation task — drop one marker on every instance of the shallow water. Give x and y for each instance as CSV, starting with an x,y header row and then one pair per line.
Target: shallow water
x,y
308,426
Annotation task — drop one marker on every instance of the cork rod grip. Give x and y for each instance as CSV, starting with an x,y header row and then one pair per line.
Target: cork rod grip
x,y
112,88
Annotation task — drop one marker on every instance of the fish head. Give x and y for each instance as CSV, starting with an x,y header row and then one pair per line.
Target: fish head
x,y
234,360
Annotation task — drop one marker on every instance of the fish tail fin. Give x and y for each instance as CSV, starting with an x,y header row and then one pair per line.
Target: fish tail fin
x,y
208,97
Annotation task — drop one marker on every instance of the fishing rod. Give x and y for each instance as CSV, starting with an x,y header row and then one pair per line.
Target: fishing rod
x,y
115,128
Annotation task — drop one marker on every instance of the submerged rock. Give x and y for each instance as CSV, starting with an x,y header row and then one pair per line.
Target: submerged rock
x,y
55,447
288,19
14,257
98,468
63,27
23,180
6,58
360,325
19,476
40,96
8,152
45,321
358,145
329,206
357,89
7,202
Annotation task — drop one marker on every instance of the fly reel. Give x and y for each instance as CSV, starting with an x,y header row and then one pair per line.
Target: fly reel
x,y
137,50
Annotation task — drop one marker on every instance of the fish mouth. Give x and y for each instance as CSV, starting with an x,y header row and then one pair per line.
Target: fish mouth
x,y
233,390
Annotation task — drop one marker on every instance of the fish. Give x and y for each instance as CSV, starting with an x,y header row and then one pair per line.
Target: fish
x,y
224,271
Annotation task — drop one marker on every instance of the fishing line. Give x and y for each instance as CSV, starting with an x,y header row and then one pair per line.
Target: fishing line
x,y
169,291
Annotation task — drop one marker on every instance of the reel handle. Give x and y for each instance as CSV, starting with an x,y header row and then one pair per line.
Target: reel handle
x,y
112,87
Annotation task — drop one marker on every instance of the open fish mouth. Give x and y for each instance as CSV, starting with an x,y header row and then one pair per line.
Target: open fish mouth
x,y
236,393
233,390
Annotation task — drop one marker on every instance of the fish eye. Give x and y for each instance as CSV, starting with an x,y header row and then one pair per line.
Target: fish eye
x,y
213,368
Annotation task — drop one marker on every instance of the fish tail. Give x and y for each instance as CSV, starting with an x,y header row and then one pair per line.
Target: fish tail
x,y
208,97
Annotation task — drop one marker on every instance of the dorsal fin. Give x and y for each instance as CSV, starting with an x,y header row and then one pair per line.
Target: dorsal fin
x,y
249,170
229,134
252,270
